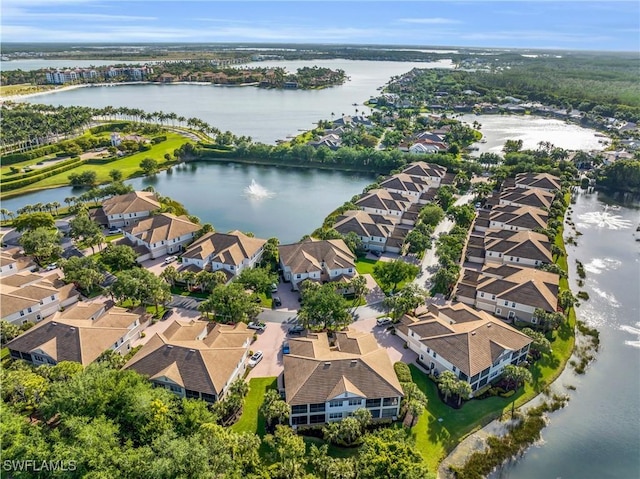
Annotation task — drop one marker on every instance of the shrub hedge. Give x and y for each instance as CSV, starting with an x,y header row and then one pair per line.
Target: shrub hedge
x,y
14,185
39,171
403,372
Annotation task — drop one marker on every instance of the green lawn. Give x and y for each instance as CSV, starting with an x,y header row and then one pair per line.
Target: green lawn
x,y
110,238
129,166
193,294
251,421
365,266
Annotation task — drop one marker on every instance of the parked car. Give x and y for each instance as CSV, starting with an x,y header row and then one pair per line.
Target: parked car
x,y
255,359
51,267
384,321
295,330
274,288
285,347
167,314
276,301
170,259
257,325
113,230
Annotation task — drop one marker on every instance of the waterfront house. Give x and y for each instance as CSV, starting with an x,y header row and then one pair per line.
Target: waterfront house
x,y
430,174
159,235
81,334
471,344
326,382
523,248
509,291
543,181
316,260
513,218
126,210
195,359
534,197
30,297
231,252
383,202
410,186
372,229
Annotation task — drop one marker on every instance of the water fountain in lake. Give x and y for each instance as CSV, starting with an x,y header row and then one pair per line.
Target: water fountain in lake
x,y
254,190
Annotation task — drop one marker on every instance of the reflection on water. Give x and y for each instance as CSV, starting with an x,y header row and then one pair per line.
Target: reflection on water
x,y
632,330
598,265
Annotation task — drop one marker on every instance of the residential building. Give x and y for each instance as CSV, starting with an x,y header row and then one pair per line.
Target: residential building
x,y
513,218
534,197
373,230
523,248
383,202
13,260
316,260
426,147
80,333
160,234
29,297
471,344
126,210
509,291
543,181
195,359
231,252
325,383
410,186
430,173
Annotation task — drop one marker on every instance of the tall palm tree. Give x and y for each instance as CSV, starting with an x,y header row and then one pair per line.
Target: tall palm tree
x,y
446,384
4,212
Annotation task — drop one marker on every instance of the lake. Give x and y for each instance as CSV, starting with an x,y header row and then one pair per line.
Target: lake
x,y
284,202
28,64
598,434
265,115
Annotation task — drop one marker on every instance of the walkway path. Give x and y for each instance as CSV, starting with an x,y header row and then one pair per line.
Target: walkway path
x,y
430,260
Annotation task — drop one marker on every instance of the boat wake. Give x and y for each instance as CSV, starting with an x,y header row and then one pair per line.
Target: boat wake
x,y
604,219
632,330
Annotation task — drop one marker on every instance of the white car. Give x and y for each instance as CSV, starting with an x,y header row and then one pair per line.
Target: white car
x,y
257,325
51,267
384,321
255,359
170,259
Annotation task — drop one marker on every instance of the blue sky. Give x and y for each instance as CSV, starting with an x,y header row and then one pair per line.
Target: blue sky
x,y
584,25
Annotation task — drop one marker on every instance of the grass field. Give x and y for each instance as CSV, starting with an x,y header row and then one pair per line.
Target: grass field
x,y
129,166
365,266
23,89
251,421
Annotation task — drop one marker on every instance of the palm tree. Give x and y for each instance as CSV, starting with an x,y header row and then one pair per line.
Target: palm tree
x,y
463,390
517,375
170,275
359,286
56,205
4,212
446,384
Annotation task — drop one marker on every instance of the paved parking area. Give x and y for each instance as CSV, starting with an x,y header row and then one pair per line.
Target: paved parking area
x,y
157,266
390,342
289,298
270,343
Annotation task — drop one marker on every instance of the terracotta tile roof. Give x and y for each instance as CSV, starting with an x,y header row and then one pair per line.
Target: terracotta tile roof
x,y
538,180
308,255
529,286
523,244
198,365
314,372
231,248
519,216
68,336
470,340
134,202
363,224
383,200
527,197
162,227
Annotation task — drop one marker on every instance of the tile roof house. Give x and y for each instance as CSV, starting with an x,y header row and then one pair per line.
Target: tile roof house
x,y
159,234
372,229
534,197
513,218
30,297
316,260
431,173
126,210
195,359
325,383
81,334
410,186
231,252
524,248
12,261
543,181
383,202
472,344
509,291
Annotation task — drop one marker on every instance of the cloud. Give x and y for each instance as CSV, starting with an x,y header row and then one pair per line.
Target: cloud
x,y
430,21
22,15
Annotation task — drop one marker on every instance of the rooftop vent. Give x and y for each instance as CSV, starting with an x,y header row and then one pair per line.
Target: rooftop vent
x,y
54,324
72,328
354,362
192,350
327,364
489,325
169,346
473,333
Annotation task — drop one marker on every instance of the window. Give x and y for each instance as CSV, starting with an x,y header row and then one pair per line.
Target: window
x,y
319,407
513,305
298,276
30,310
22,313
300,409
336,403
388,412
506,303
475,378
335,415
485,372
208,397
493,297
175,389
455,369
317,419
463,376
373,402
375,413
299,421
434,354
498,311
390,402
53,298
482,295
192,394
355,402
